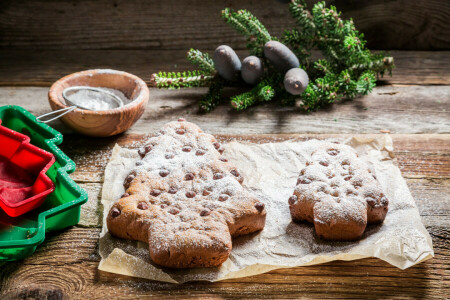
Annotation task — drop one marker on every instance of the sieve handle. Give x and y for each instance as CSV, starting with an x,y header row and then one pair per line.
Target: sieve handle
x,y
63,110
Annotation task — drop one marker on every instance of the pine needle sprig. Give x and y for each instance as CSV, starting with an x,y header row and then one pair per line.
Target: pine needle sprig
x,y
229,16
366,83
322,91
175,80
302,17
379,63
250,27
202,60
255,27
347,86
212,98
260,93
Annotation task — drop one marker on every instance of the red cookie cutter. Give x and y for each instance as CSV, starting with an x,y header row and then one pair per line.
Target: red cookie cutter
x,y
19,155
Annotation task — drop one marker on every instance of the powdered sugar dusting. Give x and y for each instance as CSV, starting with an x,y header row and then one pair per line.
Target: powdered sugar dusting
x,y
336,186
185,194
271,171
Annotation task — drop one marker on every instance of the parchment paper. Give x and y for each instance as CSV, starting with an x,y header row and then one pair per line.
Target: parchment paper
x,y
270,171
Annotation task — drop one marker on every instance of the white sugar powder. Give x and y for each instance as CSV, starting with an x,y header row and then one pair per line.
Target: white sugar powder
x,y
94,100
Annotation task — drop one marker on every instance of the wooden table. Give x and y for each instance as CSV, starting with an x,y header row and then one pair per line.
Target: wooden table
x,y
414,107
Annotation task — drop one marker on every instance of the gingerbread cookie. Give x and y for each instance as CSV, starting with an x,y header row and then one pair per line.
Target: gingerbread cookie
x,y
185,200
338,193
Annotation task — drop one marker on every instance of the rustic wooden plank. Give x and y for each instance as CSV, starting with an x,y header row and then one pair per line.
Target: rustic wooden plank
x,y
400,109
431,196
66,266
175,24
41,68
92,211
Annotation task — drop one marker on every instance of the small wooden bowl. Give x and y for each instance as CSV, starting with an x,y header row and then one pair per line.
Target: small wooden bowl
x,y
107,122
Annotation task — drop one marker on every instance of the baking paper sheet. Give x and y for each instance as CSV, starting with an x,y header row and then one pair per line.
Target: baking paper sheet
x,y
270,171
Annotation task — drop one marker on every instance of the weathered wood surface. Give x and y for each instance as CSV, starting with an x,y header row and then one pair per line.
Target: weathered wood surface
x,y
398,108
43,67
172,24
66,264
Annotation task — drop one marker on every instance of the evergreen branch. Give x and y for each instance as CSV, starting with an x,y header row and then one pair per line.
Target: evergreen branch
x,y
255,27
347,86
244,100
366,83
230,17
265,93
302,17
212,98
347,70
379,64
343,46
175,80
321,91
298,43
261,92
323,66
202,60
250,27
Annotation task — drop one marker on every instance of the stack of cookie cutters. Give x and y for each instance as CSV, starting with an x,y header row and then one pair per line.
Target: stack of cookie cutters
x,y
20,236
16,149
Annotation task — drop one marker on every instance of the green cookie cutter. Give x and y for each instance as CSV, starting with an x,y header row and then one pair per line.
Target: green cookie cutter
x,y
19,237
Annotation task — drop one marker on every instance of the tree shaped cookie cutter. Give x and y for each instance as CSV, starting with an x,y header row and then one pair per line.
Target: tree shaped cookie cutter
x,y
17,150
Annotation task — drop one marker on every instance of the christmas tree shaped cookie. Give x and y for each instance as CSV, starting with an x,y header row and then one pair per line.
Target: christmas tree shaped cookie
x,y
185,200
338,193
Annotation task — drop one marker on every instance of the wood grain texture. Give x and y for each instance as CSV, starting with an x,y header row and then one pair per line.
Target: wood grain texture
x,y
41,68
175,24
66,266
400,109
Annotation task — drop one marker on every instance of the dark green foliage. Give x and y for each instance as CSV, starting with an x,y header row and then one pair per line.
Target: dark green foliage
x,y
347,70
175,80
250,27
202,60
365,83
212,98
260,93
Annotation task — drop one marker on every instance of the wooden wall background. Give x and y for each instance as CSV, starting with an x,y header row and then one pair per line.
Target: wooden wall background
x,y
179,25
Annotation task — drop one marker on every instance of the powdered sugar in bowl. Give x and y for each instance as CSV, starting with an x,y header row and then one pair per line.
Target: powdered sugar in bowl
x,y
124,96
